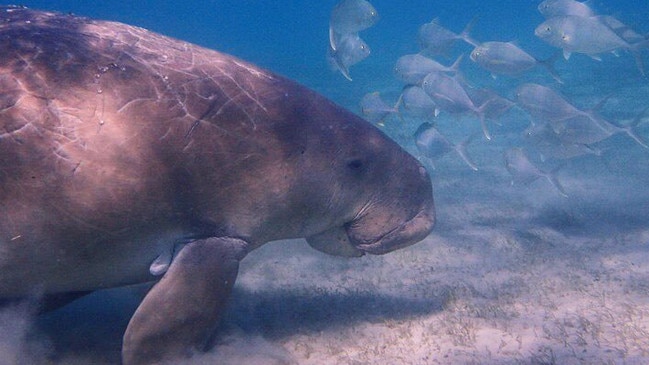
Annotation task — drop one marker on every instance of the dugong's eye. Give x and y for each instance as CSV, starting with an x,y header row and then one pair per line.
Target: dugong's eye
x,y
355,164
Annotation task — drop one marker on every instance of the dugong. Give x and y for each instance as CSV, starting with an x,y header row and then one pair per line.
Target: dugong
x,y
129,157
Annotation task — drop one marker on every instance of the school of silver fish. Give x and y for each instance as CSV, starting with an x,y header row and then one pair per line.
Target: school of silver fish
x,y
558,129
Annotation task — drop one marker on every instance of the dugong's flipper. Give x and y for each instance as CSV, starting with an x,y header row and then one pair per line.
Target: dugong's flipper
x,y
177,316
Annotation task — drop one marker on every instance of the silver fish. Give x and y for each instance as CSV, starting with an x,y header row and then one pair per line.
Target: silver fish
x,y
552,8
544,104
351,50
590,36
548,143
433,145
435,39
449,95
523,171
412,68
417,103
583,129
350,16
506,58
374,109
571,124
591,128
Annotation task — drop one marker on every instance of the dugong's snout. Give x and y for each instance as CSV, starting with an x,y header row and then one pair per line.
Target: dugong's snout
x,y
401,215
406,234
384,225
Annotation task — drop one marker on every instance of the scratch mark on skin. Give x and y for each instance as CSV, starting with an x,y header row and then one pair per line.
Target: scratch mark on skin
x,y
192,128
166,134
66,159
243,90
253,71
223,106
134,101
11,104
188,145
15,131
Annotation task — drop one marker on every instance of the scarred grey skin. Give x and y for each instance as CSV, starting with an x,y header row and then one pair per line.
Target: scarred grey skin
x,y
121,148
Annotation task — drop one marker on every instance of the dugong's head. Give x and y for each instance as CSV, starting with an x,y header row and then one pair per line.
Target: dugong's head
x,y
375,197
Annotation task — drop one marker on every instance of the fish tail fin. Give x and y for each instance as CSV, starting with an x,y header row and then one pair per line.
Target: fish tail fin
x,y
552,178
456,65
548,64
461,150
465,34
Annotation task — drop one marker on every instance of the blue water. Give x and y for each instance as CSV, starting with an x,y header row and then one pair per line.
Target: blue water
x,y
290,37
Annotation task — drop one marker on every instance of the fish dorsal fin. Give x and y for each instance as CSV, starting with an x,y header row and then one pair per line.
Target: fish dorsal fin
x,y
332,39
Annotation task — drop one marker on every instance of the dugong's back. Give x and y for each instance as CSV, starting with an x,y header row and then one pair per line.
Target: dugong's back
x,y
90,128
118,143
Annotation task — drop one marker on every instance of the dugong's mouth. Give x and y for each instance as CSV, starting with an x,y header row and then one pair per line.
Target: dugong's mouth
x,y
342,241
406,234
